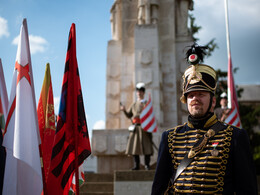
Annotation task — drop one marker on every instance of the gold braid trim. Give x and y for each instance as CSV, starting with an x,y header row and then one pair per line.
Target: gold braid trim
x,y
195,150
196,191
196,185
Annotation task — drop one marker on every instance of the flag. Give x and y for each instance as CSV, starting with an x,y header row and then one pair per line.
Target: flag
x,y
46,120
233,117
21,138
3,111
71,143
147,116
81,180
3,93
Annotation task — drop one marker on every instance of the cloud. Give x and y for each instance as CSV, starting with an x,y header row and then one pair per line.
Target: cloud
x,y
99,125
245,13
241,13
3,28
37,43
56,105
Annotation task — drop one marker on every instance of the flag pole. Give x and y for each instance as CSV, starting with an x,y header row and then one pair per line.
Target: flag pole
x,y
75,92
228,53
227,28
231,91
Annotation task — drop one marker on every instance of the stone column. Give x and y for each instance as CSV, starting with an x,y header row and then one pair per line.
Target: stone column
x,y
147,67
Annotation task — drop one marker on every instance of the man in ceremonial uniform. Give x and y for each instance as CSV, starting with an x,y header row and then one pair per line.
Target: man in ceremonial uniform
x,y
204,155
140,141
222,112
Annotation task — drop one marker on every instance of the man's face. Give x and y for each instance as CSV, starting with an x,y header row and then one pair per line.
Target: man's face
x,y
223,102
140,94
198,103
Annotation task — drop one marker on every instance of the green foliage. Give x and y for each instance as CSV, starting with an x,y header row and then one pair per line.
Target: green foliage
x,y
193,27
212,45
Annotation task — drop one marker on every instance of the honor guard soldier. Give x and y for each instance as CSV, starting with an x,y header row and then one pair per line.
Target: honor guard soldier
x,y
140,141
223,111
204,155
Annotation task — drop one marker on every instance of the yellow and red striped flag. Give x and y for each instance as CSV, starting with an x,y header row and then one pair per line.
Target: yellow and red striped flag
x,y
46,120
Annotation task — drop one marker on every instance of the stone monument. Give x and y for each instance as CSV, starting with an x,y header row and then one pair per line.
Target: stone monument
x,y
147,45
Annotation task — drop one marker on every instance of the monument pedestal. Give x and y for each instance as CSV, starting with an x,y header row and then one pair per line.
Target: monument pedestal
x,y
109,147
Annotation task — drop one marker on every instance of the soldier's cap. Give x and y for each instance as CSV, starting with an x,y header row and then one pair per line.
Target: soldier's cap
x,y
223,95
197,77
140,86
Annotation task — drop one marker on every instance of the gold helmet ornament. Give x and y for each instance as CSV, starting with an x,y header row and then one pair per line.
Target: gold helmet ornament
x,y
197,77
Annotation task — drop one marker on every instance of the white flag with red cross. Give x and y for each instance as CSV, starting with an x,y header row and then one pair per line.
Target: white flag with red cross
x,y
21,139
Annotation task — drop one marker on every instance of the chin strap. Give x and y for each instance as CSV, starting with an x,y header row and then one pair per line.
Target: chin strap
x,y
210,104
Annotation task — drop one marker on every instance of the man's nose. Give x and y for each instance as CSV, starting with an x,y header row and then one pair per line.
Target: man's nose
x,y
195,97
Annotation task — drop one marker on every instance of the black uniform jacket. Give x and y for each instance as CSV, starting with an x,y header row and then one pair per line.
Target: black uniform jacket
x,y
232,170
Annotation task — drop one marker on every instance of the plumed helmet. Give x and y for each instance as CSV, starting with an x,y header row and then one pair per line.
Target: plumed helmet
x,y
197,77
140,86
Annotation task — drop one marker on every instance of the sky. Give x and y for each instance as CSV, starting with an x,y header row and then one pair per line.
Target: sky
x,y
49,24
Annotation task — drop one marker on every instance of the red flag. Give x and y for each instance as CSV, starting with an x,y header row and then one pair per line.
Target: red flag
x,y
71,144
233,117
46,119
23,167
147,116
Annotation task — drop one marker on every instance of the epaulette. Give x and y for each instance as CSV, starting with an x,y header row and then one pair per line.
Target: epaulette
x,y
175,128
231,125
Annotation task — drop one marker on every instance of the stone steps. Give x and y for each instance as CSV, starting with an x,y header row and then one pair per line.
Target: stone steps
x,y
121,182
98,183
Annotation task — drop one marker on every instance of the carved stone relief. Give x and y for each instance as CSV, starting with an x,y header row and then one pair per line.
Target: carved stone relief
x,y
147,12
100,143
120,143
146,57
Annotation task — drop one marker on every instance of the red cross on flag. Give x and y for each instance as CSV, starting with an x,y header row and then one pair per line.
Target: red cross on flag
x,y
147,116
23,168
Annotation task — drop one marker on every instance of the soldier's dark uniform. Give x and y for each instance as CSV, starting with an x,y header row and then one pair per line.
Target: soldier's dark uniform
x,y
232,170
223,164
